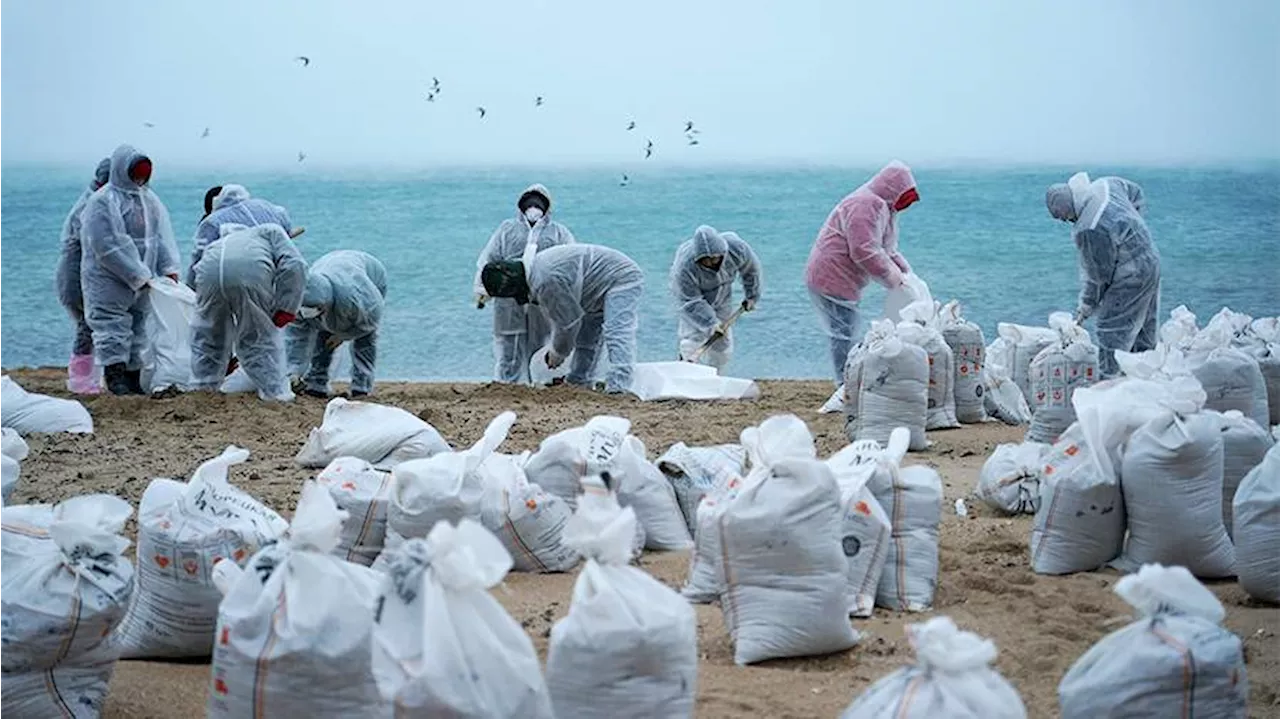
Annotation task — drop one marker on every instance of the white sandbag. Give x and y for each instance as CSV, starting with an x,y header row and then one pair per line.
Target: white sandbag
x,y
166,358
540,375
686,380
63,591
968,351
13,450
1080,523
1024,344
695,471
834,403
1256,510
866,529
294,634
446,487
912,289
26,412
363,493
643,487
920,326
1263,342
1180,329
912,498
1002,399
528,520
1232,379
780,437
1171,476
10,470
443,645
184,529
951,677
1069,363
12,444
886,386
628,646
1176,660
784,568
1010,478
1244,445
382,435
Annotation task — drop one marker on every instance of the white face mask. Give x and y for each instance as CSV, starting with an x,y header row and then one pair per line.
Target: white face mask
x,y
308,313
533,214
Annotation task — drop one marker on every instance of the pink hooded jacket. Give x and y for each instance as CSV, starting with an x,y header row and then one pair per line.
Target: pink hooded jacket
x,y
859,241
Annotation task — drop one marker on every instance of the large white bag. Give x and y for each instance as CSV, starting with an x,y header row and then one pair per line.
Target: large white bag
x,y
63,591
1024,343
294,633
784,568
1232,379
686,380
968,350
26,412
184,529
779,437
912,497
446,487
166,359
363,493
920,326
1171,476
1080,523
526,519
1176,660
629,645
382,435
13,450
1010,479
1263,342
443,646
866,531
695,471
1244,444
886,386
1257,529
912,289
952,677
1068,364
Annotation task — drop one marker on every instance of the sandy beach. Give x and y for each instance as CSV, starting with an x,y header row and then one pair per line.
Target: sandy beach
x,y
1040,624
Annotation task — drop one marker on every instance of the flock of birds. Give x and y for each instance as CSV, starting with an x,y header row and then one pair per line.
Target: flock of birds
x,y
690,132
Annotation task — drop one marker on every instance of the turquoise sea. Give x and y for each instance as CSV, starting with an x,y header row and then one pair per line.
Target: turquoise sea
x,y
980,235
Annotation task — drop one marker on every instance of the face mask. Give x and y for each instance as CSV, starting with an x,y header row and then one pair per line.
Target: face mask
x,y
309,313
908,198
141,171
533,214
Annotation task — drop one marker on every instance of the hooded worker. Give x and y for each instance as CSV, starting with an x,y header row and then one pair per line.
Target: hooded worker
x,y
519,330
249,284
858,244
127,241
67,279
702,278
1119,263
233,205
345,295
590,295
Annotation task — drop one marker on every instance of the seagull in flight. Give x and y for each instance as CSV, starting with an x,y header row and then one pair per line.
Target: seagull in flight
x,y
435,84
538,102
688,126
302,156
204,134
693,141
148,124
648,150
631,125
625,180
481,110
431,97
306,61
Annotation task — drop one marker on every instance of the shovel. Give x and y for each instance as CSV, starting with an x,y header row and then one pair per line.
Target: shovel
x,y
716,337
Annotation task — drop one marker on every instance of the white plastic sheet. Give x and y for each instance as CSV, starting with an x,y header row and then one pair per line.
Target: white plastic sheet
x,y
686,380
166,360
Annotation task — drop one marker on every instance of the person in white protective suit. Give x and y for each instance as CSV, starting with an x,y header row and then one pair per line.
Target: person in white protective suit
x,y
232,205
702,279
590,295
519,330
1119,263
343,302
67,276
126,241
249,284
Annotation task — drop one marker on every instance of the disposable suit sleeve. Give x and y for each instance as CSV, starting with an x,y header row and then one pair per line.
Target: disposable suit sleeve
x,y
900,261
1097,265
693,308
864,228
1137,197
752,274
111,247
167,260
291,274
565,315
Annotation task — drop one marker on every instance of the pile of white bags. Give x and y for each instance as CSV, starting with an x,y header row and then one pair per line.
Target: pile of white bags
x,y
866,530
1257,529
912,498
1069,363
886,386
629,645
968,350
1244,444
1010,479
1020,345
952,677
783,436
528,520
166,359
1262,341
63,591
1079,525
26,412
382,435
446,487
184,529
695,471
443,646
784,569
921,326
294,634
1231,377
13,450
1176,660
363,493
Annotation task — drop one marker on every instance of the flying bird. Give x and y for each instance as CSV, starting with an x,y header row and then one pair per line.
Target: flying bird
x,y
204,134
693,141
435,84
631,125
148,124
306,61
648,150
302,156
625,180
481,110
538,102
688,126
431,97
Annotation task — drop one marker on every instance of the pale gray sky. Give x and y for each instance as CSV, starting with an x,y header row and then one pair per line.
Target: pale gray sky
x,y
1087,81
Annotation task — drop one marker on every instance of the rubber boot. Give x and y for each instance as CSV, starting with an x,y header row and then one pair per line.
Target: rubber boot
x,y
135,381
116,377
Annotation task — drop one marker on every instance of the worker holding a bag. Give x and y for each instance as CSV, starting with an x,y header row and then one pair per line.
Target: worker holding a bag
x,y
702,278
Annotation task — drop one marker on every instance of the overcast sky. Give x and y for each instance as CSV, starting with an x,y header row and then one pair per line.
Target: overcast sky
x,y
936,81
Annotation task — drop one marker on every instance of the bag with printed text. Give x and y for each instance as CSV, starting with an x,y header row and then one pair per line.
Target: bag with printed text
x,y
527,520
921,326
968,349
695,471
1010,479
886,386
1068,364
363,493
867,530
912,498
